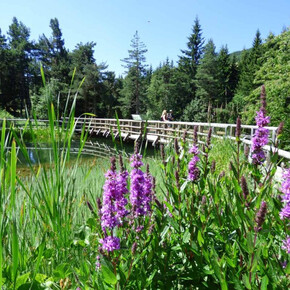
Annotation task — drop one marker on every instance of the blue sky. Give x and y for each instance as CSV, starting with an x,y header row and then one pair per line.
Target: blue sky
x,y
162,25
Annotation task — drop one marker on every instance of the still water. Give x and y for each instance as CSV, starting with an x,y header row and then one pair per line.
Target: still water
x,y
94,148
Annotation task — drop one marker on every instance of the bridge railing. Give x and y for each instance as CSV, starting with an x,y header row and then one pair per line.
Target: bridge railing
x,y
165,132
159,131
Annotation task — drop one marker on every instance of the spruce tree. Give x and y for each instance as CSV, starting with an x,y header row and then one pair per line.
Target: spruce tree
x,y
207,79
250,63
191,57
134,92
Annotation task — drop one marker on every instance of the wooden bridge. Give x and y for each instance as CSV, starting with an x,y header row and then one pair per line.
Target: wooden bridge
x,y
159,132
165,132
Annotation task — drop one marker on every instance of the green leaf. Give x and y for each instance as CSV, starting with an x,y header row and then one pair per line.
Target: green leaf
x,y
200,239
21,280
250,243
183,186
108,275
265,282
186,237
246,281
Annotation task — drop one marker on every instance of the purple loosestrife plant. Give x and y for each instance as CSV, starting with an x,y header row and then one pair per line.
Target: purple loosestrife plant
x,y
110,243
286,245
113,208
285,211
108,215
260,138
141,187
193,171
285,189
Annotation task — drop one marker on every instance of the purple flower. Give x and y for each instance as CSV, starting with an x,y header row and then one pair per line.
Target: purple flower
x,y
98,263
121,200
193,171
194,150
141,187
136,160
108,216
286,245
260,138
285,212
110,243
285,188
260,216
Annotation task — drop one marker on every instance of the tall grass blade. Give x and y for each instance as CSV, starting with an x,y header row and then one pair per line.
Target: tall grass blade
x,y
15,251
42,75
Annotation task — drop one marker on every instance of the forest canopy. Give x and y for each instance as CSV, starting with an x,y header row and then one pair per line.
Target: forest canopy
x,y
206,84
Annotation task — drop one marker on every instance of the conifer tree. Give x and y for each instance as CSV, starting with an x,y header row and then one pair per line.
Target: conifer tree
x,y
134,92
207,79
191,57
250,63
19,71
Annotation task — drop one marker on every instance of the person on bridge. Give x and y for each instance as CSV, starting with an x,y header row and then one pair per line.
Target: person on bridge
x,y
170,116
164,116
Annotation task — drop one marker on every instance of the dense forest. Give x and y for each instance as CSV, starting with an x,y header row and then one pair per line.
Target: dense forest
x,y
204,85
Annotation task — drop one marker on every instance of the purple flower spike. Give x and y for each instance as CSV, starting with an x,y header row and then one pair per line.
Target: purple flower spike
x,y
108,217
285,188
260,138
193,171
286,245
141,187
285,211
136,160
110,244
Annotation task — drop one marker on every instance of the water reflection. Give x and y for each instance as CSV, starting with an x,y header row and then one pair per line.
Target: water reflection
x,y
101,148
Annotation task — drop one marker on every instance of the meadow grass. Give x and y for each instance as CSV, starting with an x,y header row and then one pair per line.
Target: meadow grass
x,y
200,234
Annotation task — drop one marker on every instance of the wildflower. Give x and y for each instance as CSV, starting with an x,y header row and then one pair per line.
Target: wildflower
x,y
193,171
194,150
110,243
244,187
260,216
260,138
98,263
238,128
285,188
134,248
222,174
208,140
246,151
108,216
121,200
139,229
141,187
286,245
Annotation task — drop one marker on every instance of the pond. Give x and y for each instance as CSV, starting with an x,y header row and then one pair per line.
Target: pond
x,y
94,148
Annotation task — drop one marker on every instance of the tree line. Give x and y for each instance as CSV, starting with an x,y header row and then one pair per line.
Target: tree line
x,y
204,85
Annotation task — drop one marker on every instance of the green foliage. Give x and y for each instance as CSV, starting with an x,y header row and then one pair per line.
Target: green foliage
x,y
274,74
